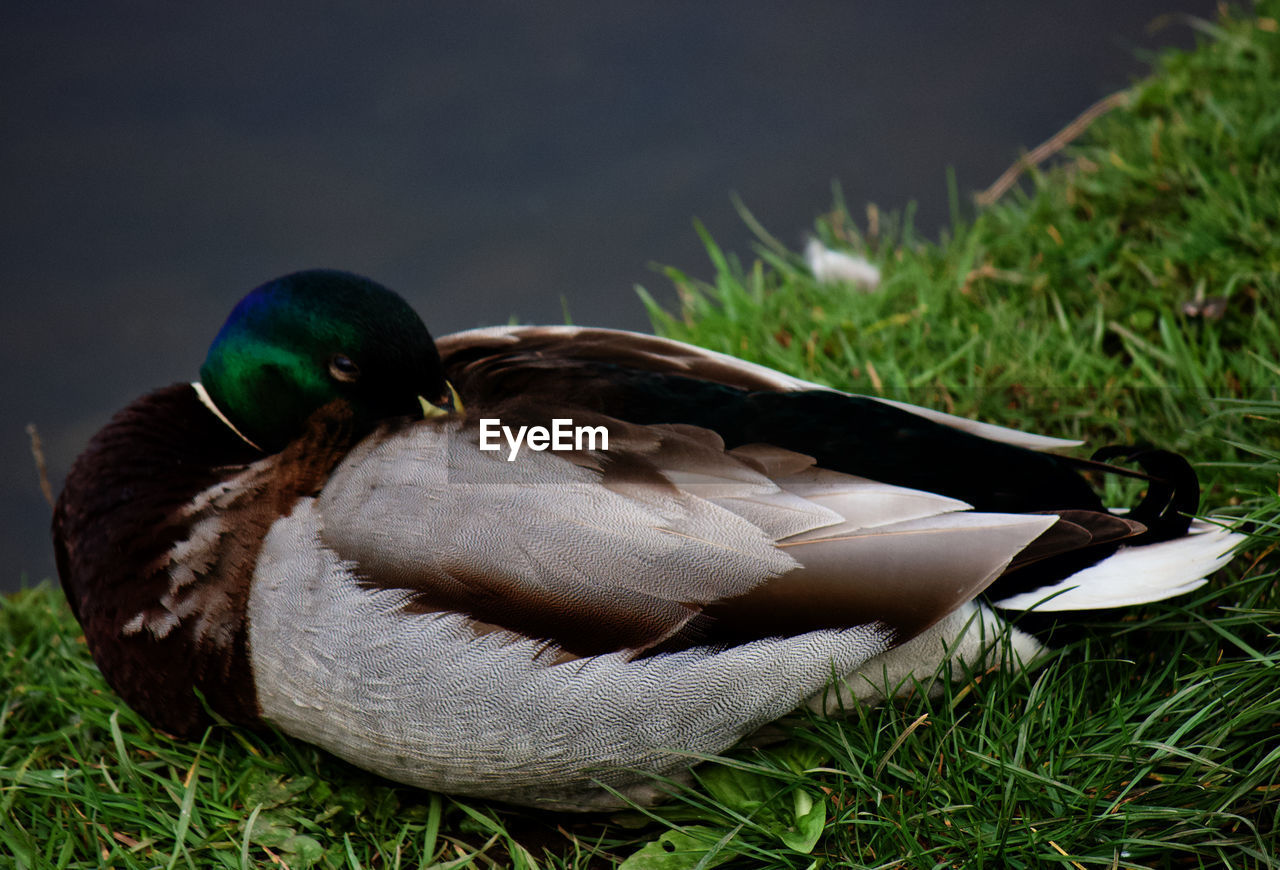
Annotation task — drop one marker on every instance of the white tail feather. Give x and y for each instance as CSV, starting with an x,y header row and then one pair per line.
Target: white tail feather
x,y
1137,575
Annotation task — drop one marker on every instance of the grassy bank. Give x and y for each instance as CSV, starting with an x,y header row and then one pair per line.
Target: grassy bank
x,y
1061,308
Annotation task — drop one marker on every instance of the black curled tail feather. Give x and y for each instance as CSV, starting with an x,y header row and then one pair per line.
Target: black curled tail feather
x,y
1172,496
1173,489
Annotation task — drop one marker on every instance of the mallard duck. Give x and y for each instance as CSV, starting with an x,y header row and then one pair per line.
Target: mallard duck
x,y
320,536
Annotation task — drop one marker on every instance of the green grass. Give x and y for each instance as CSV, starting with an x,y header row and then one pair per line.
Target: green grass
x,y
1152,741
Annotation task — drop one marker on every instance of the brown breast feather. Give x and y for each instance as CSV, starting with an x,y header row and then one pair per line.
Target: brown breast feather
x,y
157,532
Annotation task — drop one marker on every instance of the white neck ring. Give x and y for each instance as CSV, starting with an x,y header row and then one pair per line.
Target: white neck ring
x,y
205,400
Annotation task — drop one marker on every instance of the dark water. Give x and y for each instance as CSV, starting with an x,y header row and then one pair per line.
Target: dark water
x,y
488,160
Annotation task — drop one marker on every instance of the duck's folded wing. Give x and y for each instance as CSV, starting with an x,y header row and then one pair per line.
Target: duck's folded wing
x,y
592,364
649,380
664,541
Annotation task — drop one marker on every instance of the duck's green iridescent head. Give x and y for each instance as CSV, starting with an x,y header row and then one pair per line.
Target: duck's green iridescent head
x,y
297,343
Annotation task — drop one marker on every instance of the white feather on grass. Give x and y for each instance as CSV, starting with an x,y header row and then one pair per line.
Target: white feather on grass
x,y
837,267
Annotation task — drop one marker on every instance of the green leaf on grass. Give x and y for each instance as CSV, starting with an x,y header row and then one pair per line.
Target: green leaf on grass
x,y
304,850
270,790
809,821
271,829
684,849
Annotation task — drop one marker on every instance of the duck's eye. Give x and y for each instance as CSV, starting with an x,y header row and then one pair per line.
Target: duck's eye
x,y
342,368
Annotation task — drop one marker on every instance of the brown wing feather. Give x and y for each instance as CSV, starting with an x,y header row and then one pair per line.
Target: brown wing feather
x,y
488,365
832,557
539,546
1077,530
665,539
